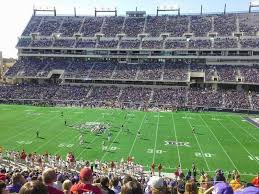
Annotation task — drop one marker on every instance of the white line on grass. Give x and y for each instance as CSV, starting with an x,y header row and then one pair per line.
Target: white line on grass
x,y
133,144
177,146
238,141
73,139
156,137
111,144
244,129
112,114
219,143
22,132
46,121
199,145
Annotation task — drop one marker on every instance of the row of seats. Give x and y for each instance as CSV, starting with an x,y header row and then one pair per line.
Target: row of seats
x,y
175,26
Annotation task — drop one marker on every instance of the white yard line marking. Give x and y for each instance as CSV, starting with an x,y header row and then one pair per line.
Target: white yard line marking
x,y
73,139
199,146
137,135
243,129
238,142
177,146
22,132
111,144
156,137
112,114
46,121
219,142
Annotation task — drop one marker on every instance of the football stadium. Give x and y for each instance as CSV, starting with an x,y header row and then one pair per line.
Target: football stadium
x,y
132,104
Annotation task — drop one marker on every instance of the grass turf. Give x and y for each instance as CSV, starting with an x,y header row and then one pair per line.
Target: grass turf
x,y
221,140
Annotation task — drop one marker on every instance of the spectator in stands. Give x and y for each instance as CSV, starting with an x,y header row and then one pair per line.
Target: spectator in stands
x,y
105,186
3,175
60,180
249,189
66,186
191,187
220,188
219,176
131,187
85,184
255,181
155,185
3,188
17,182
235,183
34,187
49,177
115,185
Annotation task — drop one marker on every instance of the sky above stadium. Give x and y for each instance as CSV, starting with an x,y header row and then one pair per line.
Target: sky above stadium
x,y
15,14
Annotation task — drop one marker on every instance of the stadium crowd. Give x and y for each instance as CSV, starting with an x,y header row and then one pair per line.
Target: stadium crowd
x,y
131,97
32,173
170,71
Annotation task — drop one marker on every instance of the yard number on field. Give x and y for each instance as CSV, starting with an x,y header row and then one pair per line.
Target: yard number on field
x,y
65,145
24,142
254,158
207,155
151,151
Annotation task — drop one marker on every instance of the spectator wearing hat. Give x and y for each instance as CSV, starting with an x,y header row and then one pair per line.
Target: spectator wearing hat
x,y
49,177
34,187
255,181
235,183
85,183
155,185
17,182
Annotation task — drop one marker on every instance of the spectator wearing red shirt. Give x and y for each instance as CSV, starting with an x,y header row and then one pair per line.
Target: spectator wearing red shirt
x,y
85,183
3,175
49,177
255,181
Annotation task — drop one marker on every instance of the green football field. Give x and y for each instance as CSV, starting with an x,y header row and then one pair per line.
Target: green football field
x,y
221,140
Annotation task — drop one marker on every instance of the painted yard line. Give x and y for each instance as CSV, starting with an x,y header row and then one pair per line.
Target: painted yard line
x,y
243,129
157,124
199,145
219,143
133,144
112,144
239,142
51,139
112,114
22,132
87,144
176,139
46,121
73,139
